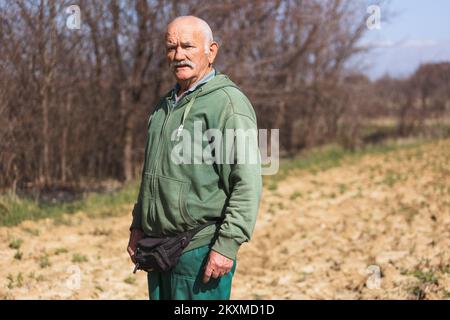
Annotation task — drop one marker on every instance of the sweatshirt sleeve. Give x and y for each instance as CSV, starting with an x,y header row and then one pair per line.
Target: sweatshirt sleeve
x,y
137,209
136,222
241,177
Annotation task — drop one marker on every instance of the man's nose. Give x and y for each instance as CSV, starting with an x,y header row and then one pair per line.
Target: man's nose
x,y
179,54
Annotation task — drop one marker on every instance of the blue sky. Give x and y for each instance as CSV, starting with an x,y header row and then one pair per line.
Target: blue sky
x,y
416,32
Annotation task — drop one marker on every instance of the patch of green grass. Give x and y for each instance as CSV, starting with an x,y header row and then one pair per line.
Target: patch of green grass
x,y
44,261
301,277
342,188
62,221
40,278
33,232
15,244
408,211
16,282
392,177
273,186
19,279
18,255
329,156
425,277
14,210
445,269
59,251
130,280
10,279
295,195
79,258
313,160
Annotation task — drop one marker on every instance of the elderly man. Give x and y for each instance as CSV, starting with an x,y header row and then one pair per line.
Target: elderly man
x,y
175,197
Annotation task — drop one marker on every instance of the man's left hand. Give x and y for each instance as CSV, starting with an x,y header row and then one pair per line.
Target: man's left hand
x,y
217,266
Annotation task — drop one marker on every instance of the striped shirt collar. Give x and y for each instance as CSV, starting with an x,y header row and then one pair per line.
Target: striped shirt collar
x,y
203,80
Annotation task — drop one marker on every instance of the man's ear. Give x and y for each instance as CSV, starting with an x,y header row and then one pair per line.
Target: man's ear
x,y
213,49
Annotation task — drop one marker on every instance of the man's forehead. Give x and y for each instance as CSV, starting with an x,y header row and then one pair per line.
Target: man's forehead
x,y
182,33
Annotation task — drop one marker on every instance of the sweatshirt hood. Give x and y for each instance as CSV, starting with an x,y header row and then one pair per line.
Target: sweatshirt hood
x,y
218,82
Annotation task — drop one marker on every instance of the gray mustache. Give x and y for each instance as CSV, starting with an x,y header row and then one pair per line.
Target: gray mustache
x,y
187,63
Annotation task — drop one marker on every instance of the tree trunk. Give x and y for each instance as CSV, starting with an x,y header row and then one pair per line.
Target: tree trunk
x,y
127,137
64,137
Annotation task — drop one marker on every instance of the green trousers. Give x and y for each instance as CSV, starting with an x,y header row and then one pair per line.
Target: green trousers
x,y
185,281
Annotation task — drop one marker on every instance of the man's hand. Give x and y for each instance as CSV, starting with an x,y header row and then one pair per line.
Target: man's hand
x,y
217,266
135,236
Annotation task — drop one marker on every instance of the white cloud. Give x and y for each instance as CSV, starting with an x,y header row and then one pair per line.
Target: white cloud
x,y
419,43
412,43
384,44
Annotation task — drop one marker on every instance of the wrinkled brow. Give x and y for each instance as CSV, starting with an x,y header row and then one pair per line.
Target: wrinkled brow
x,y
183,43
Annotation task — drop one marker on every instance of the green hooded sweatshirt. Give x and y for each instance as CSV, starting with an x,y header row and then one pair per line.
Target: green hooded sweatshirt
x,y
174,198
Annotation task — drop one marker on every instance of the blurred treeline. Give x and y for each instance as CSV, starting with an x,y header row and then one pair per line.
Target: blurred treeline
x,y
74,103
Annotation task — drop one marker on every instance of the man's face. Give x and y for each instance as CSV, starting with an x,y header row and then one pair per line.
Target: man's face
x,y
185,46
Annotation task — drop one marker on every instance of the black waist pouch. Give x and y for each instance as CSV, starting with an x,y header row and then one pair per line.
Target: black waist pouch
x,y
162,254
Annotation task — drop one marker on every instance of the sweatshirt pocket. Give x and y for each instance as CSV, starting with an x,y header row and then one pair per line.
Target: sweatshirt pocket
x,y
171,215
147,200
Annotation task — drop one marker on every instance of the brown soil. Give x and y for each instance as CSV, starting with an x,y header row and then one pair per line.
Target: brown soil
x,y
318,236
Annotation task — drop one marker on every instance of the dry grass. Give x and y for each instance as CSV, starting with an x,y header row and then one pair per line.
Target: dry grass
x,y
390,210
316,237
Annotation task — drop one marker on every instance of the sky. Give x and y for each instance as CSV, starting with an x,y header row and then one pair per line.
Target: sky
x,y
417,31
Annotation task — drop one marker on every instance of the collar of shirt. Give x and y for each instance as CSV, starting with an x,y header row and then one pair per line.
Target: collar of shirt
x,y
203,80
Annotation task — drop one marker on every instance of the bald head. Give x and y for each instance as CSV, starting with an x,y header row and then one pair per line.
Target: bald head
x,y
190,49
194,24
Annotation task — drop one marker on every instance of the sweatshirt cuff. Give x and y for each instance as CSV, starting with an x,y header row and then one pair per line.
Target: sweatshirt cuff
x,y
227,247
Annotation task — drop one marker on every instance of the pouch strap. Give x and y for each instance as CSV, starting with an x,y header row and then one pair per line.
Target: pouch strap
x,y
197,229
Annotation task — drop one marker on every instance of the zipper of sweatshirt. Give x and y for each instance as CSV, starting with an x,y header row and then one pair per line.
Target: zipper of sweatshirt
x,y
179,130
161,140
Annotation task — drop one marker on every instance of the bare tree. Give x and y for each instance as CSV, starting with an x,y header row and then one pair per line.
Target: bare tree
x,y
74,103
